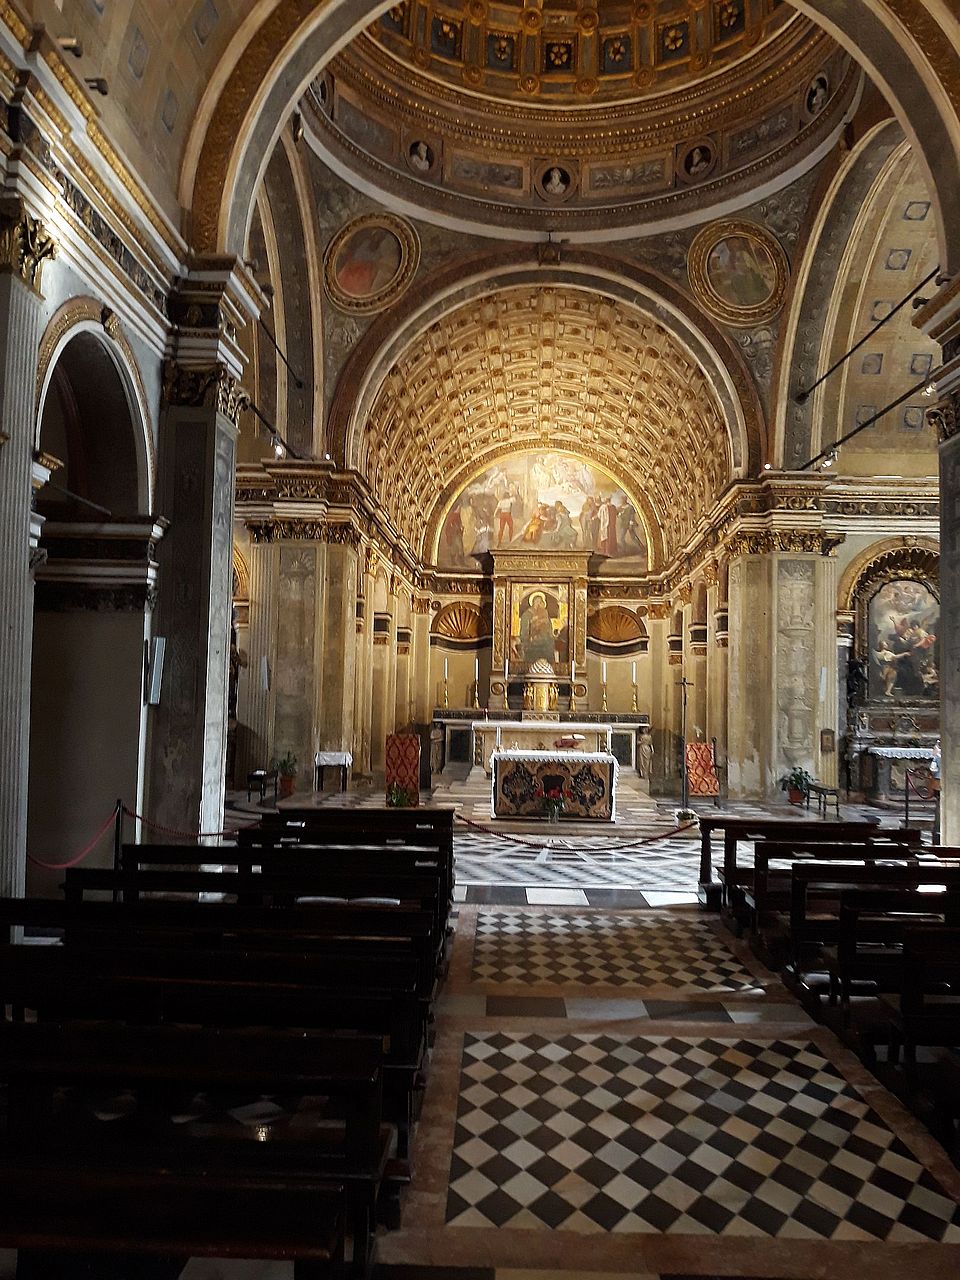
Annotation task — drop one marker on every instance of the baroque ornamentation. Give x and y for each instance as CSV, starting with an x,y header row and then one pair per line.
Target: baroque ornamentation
x,y
214,388
25,244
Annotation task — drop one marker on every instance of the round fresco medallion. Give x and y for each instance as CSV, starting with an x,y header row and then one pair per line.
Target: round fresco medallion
x,y
739,272
370,262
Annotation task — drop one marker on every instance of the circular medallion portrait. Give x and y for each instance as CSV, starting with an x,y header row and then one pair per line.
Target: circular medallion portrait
x,y
739,272
370,262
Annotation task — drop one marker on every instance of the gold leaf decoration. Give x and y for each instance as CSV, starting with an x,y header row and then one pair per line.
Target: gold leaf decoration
x,y
615,625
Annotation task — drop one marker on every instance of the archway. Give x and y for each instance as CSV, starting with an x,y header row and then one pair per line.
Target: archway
x,y
88,716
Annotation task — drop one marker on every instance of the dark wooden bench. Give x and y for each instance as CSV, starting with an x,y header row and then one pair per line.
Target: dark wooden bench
x,y
261,779
816,891
767,891
824,794
159,1066
736,878
928,1011
872,929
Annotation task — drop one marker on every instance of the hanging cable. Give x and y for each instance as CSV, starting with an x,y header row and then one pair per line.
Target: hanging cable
x,y
919,388
68,493
277,441
298,381
804,392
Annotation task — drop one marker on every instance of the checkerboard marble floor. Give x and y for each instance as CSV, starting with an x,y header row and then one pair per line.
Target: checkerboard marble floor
x,y
628,1093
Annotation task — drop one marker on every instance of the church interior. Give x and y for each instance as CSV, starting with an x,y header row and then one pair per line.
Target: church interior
x,y
480,467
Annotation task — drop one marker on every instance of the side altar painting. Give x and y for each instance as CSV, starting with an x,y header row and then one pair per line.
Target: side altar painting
x,y
539,629
903,622
547,502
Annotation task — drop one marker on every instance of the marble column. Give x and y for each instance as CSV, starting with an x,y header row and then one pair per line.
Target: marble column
x,y
364,687
24,247
660,675
189,730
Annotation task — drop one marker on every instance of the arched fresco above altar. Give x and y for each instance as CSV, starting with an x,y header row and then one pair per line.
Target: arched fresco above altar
x,y
544,500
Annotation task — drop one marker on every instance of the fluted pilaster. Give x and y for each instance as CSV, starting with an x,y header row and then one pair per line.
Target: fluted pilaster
x,y
20,324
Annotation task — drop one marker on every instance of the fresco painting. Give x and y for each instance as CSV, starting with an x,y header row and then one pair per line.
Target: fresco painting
x,y
368,262
546,501
742,271
903,623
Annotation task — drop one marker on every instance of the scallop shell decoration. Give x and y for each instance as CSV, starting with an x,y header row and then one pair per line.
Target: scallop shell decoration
x,y
459,621
615,625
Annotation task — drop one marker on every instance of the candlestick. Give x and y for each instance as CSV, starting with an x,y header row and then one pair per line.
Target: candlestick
x,y
635,706
446,698
603,695
476,695
573,695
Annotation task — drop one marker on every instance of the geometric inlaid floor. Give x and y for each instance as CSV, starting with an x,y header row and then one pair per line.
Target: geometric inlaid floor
x,y
596,948
642,1134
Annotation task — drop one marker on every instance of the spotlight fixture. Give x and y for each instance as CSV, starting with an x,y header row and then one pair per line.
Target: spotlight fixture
x,y
829,458
929,390
277,445
768,466
97,84
297,126
70,44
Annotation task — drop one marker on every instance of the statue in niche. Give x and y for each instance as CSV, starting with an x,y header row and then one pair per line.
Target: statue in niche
x,y
645,754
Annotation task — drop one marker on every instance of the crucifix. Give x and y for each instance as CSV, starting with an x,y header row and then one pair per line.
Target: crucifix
x,y
683,684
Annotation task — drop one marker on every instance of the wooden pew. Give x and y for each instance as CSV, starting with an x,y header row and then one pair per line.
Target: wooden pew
x,y
871,933
768,889
928,1011
161,1064
51,1210
327,886
735,877
816,890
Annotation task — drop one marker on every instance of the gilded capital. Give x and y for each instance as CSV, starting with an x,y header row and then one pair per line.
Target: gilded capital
x,y
25,244
212,388
945,419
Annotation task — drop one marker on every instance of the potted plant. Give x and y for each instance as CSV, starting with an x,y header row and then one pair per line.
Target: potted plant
x,y
399,797
286,767
688,818
796,782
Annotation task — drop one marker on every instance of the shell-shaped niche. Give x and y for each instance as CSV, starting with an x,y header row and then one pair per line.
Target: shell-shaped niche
x,y
460,621
615,624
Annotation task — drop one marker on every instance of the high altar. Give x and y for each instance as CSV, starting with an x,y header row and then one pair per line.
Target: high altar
x,y
539,642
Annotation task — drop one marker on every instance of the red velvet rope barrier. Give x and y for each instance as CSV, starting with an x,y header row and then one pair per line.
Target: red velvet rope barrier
x,y
173,831
88,849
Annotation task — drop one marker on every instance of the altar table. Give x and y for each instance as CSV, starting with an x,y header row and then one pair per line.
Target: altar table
x,y
535,735
590,777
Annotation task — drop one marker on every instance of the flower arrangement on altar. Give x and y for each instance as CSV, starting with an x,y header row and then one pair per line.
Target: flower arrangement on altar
x,y
552,799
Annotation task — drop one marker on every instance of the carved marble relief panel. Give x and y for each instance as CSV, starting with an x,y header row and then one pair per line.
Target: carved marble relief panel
x,y
796,662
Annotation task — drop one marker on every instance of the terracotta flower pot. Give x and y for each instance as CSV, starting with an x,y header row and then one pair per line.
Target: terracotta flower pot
x,y
288,784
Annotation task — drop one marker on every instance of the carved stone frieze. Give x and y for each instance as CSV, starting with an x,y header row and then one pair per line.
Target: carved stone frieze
x,y
213,388
791,541
72,597
25,244
421,605
299,530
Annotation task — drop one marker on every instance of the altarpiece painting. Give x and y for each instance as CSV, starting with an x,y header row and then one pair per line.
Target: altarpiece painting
x,y
903,622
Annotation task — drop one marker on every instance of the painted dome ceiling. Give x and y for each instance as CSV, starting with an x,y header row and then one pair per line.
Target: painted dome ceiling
x,y
580,114
563,52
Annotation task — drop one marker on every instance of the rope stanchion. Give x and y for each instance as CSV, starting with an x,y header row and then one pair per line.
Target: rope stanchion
x,y
173,831
569,848
84,853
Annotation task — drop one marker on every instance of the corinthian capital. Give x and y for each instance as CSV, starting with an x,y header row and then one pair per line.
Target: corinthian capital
x,y
24,243
214,388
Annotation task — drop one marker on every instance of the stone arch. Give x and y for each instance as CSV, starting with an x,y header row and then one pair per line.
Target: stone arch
x,y
87,316
890,558
906,49
489,274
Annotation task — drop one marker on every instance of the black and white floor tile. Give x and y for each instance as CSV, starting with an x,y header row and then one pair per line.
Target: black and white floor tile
x,y
596,948
680,1135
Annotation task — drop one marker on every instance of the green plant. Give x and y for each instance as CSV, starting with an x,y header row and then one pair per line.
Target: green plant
x,y
286,765
796,779
686,815
399,797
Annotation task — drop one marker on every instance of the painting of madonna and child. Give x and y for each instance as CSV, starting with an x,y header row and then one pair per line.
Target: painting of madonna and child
x,y
545,501
903,623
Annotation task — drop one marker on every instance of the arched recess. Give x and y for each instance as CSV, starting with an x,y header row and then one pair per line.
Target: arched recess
x,y
910,48
94,592
879,563
107,345
488,275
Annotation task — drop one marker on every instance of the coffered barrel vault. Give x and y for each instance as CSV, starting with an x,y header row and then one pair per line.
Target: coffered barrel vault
x,y
559,367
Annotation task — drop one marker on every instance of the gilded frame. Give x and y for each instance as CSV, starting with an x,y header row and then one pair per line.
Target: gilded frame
x,y
713,301
382,297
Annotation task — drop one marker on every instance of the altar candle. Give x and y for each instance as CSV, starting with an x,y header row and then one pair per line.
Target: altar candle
x,y
634,673
444,668
603,671
476,670
506,667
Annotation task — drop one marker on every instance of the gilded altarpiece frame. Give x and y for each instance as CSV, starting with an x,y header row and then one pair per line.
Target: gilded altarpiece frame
x,y
539,604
